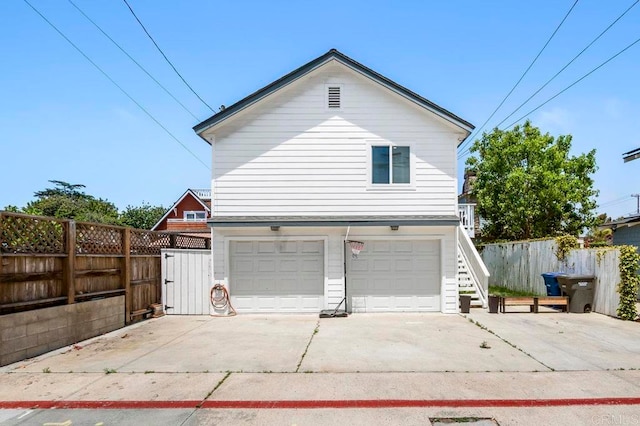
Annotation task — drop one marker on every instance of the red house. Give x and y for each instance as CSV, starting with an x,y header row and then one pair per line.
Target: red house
x,y
189,214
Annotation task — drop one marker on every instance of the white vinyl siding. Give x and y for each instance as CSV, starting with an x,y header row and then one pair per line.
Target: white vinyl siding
x,y
291,156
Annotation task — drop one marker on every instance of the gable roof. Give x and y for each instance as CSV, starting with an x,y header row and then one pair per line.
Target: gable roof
x,y
191,192
332,54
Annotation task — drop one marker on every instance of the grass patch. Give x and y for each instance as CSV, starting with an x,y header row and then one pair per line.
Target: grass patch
x,y
495,290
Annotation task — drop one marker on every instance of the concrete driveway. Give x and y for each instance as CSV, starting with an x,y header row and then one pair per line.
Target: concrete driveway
x,y
477,342
549,368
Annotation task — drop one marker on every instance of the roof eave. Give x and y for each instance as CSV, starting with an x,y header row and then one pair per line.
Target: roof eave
x,y
450,221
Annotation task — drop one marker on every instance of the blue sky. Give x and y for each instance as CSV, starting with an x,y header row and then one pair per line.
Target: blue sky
x,y
62,119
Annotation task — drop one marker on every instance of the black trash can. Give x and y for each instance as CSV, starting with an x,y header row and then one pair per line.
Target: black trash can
x,y
465,303
494,302
580,289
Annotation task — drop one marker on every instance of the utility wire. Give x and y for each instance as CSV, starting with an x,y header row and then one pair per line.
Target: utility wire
x,y
568,63
165,56
575,82
136,62
469,139
567,88
114,83
614,201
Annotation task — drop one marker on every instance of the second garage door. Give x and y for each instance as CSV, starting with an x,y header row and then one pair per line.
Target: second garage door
x,y
395,276
276,276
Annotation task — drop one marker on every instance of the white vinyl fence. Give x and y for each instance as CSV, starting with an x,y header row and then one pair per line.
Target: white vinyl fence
x,y
520,265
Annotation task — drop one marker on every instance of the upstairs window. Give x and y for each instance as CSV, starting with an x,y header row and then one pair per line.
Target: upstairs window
x,y
390,164
195,216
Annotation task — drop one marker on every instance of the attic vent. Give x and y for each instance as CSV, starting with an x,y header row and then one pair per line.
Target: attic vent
x,y
333,97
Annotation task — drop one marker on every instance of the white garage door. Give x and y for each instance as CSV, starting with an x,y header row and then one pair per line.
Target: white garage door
x,y
277,276
395,276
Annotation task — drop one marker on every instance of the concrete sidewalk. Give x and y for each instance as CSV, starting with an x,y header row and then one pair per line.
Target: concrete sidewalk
x,y
366,369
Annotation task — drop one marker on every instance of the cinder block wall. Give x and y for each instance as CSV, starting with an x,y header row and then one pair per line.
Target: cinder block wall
x,y
27,334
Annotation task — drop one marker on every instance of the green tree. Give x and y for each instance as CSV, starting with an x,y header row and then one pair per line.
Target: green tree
x,y
142,217
68,201
528,186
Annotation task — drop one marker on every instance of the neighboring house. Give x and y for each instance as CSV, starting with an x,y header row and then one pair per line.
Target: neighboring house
x,y
467,203
625,231
335,151
189,214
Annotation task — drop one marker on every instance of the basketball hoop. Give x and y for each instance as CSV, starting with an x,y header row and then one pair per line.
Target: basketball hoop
x,y
356,247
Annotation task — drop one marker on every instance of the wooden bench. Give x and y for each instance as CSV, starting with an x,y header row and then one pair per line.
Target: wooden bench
x,y
534,302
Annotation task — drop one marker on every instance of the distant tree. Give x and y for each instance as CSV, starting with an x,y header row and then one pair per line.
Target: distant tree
x,y
68,201
62,189
11,208
142,217
528,186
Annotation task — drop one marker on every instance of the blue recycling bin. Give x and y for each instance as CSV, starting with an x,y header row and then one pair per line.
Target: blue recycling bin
x,y
551,282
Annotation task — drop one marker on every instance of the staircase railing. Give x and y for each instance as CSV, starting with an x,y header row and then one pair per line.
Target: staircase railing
x,y
466,211
477,269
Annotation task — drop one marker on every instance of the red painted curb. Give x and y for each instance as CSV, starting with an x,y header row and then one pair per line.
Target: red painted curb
x,y
314,404
408,403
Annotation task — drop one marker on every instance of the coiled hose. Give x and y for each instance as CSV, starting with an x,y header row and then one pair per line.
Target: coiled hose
x,y
220,301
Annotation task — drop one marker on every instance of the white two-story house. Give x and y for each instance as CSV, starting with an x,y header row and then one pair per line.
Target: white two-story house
x,y
334,152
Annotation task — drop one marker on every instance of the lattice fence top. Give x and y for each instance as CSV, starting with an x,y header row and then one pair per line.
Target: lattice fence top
x,y
190,242
148,242
92,238
24,234
31,234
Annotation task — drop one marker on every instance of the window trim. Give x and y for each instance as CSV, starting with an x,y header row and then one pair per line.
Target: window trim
x,y
186,213
411,186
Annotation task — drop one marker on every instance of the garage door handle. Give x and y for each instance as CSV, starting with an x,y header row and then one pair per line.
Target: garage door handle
x,y
166,281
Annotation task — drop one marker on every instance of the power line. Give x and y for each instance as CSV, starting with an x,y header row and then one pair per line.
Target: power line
x,y
469,139
134,61
575,82
568,63
165,56
114,83
614,201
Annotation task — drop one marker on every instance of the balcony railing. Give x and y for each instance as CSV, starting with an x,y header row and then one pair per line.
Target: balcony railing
x,y
467,218
204,194
186,220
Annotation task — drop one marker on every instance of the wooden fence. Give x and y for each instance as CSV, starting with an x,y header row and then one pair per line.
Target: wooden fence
x,y
46,262
520,265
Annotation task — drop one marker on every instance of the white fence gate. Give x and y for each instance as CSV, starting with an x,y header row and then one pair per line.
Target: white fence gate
x,y
186,281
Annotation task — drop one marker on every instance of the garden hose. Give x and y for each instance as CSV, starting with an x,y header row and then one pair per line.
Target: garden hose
x,y
220,301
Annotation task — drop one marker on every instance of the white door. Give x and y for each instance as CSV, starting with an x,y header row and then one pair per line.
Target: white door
x,y
276,276
395,276
186,281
